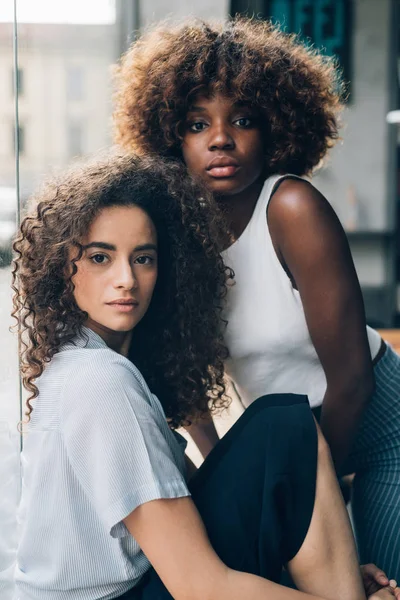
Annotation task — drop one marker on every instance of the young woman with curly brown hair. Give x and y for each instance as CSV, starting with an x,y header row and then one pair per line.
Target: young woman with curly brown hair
x,y
115,270
252,111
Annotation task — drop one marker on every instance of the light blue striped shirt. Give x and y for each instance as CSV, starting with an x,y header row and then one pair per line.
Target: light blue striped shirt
x,y
98,446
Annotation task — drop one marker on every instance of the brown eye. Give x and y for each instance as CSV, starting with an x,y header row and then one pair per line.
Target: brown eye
x,y
144,260
244,122
197,126
99,259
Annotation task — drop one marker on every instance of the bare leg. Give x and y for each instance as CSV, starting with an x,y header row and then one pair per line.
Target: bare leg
x,y
327,563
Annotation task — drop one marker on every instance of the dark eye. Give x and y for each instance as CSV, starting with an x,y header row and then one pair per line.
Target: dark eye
x,y
144,260
244,122
197,126
99,259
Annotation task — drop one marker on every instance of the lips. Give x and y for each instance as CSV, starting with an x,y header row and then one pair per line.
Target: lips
x,y
123,302
123,305
222,166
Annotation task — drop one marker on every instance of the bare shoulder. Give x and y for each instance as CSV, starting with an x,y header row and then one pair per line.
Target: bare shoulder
x,y
298,208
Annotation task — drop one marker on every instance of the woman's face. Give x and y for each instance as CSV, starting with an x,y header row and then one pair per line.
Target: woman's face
x,y
222,143
117,272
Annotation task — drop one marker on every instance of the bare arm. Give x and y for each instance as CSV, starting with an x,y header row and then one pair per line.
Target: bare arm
x,y
173,537
204,434
313,248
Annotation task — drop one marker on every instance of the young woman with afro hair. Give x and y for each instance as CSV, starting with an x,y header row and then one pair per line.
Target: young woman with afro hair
x,y
252,112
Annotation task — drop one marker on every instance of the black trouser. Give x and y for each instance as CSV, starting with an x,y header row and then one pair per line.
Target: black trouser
x,y
345,487
255,491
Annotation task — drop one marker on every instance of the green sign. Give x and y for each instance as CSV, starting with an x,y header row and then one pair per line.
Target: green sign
x,y
326,23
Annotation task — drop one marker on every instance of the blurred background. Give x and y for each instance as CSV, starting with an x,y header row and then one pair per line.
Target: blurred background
x,y
55,105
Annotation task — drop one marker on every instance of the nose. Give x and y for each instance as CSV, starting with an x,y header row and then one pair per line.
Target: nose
x,y
124,276
221,138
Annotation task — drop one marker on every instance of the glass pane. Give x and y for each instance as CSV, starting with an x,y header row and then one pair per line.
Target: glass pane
x,y
63,84
9,380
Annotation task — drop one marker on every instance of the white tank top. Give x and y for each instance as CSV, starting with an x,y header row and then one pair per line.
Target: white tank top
x,y
270,347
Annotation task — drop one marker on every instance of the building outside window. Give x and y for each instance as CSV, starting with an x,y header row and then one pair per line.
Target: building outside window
x,y
75,83
75,138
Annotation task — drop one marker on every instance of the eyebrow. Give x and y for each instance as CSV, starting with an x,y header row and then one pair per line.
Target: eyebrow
x,y
112,247
235,106
196,109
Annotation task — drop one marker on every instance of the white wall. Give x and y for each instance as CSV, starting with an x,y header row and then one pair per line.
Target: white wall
x,y
155,10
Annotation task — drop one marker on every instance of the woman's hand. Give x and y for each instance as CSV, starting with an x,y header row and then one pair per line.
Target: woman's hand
x,y
387,593
374,579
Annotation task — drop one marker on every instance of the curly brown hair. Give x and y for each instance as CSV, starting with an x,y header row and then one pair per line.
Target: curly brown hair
x,y
296,90
178,343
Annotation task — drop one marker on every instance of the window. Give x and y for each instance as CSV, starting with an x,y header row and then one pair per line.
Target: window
x,y
74,83
75,138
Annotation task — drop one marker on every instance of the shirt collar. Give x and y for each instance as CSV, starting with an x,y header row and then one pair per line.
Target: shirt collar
x,y
86,338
